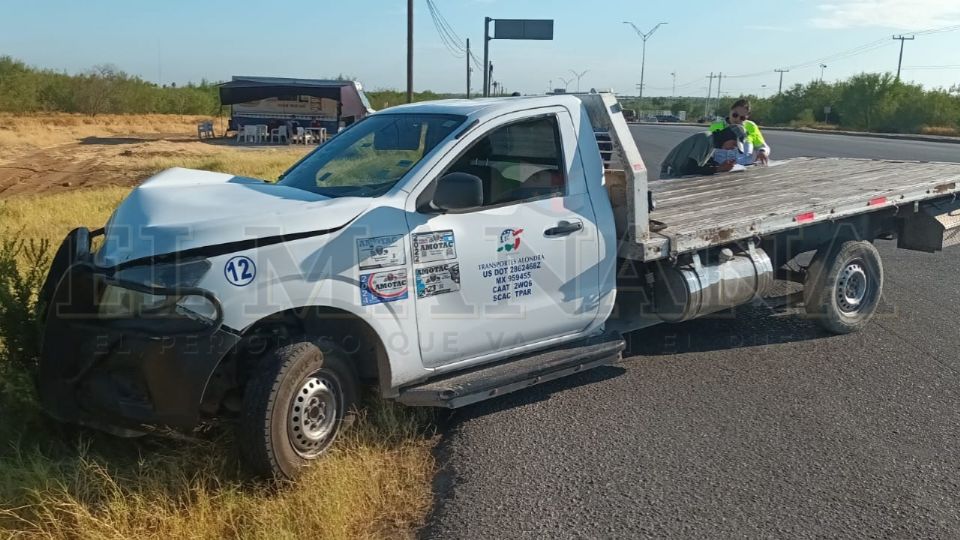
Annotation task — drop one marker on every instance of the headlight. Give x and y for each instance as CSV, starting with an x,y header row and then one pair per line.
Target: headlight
x,y
182,274
118,302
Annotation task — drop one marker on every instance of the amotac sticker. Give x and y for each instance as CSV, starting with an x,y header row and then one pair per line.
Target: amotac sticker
x,y
381,252
381,287
434,246
438,279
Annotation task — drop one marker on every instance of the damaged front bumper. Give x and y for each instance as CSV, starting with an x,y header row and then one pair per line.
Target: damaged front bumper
x,y
118,372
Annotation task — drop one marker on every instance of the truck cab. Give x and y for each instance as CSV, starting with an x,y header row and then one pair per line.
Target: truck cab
x,y
426,239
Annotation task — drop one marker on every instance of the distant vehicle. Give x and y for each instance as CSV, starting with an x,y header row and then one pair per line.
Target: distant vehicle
x,y
629,115
667,118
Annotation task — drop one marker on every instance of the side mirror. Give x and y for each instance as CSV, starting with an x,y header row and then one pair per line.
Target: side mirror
x,y
457,191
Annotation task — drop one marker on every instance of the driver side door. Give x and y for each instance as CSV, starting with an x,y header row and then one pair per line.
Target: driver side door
x,y
521,269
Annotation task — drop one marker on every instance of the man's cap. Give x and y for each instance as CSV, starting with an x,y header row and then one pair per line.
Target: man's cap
x,y
730,133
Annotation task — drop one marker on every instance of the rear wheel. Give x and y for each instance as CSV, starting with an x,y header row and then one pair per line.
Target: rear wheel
x,y
843,286
294,407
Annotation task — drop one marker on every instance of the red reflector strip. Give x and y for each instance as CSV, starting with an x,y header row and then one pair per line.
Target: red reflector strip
x,y
803,218
877,201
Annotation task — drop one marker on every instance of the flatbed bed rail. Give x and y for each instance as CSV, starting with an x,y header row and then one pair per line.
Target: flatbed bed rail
x,y
701,212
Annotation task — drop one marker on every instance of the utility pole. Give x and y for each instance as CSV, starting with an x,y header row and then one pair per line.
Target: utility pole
x,y
900,62
469,69
674,75
781,72
706,103
643,54
822,67
409,51
719,80
486,56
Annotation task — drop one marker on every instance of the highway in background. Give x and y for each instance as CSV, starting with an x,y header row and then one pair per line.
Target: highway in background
x,y
758,425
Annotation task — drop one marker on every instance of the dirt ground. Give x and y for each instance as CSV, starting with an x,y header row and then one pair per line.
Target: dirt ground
x,y
48,154
110,161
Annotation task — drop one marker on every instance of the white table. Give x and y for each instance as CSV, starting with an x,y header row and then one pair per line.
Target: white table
x,y
319,132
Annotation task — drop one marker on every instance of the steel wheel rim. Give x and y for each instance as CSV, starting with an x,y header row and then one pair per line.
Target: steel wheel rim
x,y
313,415
852,287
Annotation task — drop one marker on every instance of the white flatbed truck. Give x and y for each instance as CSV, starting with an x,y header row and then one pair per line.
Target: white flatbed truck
x,y
446,252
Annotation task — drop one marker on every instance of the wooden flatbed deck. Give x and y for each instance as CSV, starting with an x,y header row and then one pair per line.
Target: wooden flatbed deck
x,y
705,211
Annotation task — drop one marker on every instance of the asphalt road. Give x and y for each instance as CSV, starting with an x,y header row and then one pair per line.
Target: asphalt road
x,y
755,426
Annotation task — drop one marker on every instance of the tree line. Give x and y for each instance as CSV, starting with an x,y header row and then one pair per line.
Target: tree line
x,y
100,90
869,101
106,89
865,102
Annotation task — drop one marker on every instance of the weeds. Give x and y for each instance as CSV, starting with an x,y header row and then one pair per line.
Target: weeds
x,y
65,482
19,322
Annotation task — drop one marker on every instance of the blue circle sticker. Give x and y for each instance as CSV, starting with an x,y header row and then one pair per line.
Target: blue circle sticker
x,y
240,270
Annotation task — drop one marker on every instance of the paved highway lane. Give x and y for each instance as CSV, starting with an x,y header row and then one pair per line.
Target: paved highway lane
x,y
656,141
758,425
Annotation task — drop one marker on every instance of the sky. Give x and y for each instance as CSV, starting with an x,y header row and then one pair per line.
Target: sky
x,y
178,41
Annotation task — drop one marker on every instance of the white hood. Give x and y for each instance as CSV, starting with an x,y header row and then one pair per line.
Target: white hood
x,y
181,209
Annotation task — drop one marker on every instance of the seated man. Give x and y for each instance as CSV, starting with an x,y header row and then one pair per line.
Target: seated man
x,y
705,153
757,148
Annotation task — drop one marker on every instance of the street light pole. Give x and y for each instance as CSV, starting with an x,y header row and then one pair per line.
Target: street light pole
x,y
579,76
822,67
566,83
486,56
674,75
409,51
643,54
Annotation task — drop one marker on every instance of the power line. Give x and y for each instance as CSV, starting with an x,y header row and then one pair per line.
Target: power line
x,y
855,51
448,36
953,66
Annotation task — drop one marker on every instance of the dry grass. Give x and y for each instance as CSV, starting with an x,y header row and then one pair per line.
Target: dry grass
x,y
51,217
946,131
43,130
265,163
373,484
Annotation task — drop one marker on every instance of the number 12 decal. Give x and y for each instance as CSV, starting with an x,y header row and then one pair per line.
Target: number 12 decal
x,y
240,270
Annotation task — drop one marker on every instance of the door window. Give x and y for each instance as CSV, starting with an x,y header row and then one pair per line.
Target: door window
x,y
517,162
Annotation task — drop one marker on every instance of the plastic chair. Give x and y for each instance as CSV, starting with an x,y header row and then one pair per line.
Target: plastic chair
x,y
302,135
247,134
263,133
279,133
205,129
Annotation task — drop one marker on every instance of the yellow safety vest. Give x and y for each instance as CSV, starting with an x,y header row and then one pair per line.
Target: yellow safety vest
x,y
753,131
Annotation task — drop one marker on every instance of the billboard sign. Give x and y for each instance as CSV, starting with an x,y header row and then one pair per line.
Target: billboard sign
x,y
523,29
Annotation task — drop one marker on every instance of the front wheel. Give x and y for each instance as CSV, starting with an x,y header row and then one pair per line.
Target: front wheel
x,y
294,407
843,286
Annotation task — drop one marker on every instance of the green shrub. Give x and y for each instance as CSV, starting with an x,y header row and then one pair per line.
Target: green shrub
x,y
23,267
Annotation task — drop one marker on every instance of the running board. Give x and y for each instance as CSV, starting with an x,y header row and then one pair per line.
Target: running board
x,y
485,382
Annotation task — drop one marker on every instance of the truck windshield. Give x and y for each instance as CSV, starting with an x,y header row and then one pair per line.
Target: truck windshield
x,y
373,155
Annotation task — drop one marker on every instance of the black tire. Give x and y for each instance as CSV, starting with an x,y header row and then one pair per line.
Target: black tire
x,y
305,378
843,286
